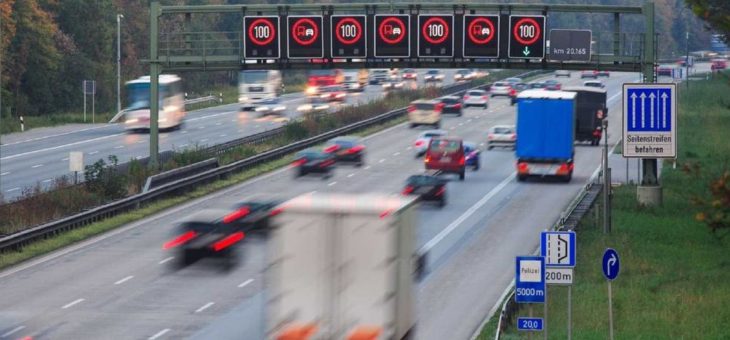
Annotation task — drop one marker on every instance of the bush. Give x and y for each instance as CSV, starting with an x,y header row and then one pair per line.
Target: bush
x,y
104,180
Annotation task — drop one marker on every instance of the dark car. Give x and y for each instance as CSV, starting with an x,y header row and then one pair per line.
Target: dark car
x,y
428,188
313,161
251,216
552,85
537,85
207,233
471,155
452,104
446,154
516,89
346,149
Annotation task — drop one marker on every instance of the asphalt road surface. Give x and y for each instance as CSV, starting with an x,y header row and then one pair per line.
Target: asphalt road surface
x,y
41,155
117,285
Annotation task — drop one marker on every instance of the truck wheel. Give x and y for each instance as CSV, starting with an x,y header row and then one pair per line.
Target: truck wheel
x,y
462,174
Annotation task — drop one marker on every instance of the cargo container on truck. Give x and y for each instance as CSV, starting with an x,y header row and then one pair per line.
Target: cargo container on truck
x,y
545,126
591,110
259,89
340,265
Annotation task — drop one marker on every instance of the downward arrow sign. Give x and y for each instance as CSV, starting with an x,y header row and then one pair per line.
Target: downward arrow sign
x,y
526,52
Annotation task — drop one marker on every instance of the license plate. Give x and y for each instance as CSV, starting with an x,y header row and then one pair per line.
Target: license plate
x,y
445,159
541,169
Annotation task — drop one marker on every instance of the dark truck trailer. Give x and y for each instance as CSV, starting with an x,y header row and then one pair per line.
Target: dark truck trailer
x,y
545,134
591,109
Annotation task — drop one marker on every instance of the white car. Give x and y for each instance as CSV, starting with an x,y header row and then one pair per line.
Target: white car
x,y
476,98
562,73
464,75
433,75
500,88
502,136
421,143
594,83
393,84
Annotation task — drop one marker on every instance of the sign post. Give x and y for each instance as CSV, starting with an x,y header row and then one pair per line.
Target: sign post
x,y
76,164
611,266
88,87
558,249
392,36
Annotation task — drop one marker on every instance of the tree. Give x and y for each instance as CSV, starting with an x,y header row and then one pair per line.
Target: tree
x,y
715,12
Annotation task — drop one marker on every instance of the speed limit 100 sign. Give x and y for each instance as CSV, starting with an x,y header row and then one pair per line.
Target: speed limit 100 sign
x,y
435,35
527,36
348,36
261,37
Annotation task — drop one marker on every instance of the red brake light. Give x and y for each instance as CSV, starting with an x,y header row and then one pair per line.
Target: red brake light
x,y
457,105
238,214
326,163
513,136
228,241
332,148
462,160
182,239
490,136
276,211
441,191
299,162
466,97
522,167
439,107
411,108
485,97
565,168
427,159
356,149
419,142
407,190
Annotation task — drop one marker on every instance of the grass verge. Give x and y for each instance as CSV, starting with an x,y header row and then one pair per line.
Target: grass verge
x,y
673,281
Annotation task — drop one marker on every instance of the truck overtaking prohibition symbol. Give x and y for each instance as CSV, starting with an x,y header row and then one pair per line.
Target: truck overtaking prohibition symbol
x,y
392,30
480,31
305,31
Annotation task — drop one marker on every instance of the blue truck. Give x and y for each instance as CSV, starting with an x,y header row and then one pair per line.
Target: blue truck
x,y
545,134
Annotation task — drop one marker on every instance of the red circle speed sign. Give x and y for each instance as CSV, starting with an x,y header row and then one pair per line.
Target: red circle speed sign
x,y
261,32
435,30
392,30
305,31
481,31
526,31
348,31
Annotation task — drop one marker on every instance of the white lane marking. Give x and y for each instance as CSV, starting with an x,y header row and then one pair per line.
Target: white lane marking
x,y
13,189
119,147
256,126
219,123
233,120
245,283
93,152
206,306
64,159
367,167
332,183
381,160
396,154
5,173
350,175
59,147
468,120
184,132
46,180
408,148
451,227
461,124
37,166
140,141
159,334
124,280
204,140
202,127
12,331
481,144
240,130
71,304
56,135
223,135
167,259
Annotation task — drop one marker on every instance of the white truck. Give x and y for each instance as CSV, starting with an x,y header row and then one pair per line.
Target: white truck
x,y
341,266
259,90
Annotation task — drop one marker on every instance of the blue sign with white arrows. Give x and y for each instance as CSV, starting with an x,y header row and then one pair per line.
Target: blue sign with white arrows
x,y
650,120
611,264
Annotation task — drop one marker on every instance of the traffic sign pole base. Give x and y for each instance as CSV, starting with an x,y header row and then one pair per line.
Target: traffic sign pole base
x,y
649,195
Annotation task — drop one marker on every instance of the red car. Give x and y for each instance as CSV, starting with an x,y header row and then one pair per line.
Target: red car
x,y
446,155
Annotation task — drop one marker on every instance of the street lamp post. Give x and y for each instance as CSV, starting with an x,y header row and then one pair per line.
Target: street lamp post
x,y
119,63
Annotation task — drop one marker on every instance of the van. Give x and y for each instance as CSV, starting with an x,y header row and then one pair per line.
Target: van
x,y
356,80
425,112
446,155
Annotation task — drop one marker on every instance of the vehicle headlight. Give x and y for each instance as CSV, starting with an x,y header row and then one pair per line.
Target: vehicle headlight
x,y
280,108
131,121
305,107
261,108
311,90
243,99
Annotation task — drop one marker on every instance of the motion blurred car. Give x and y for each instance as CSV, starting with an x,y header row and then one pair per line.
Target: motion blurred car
x,y
604,73
446,155
425,112
500,88
537,85
421,143
664,70
464,75
552,85
472,155
428,188
313,161
314,104
515,90
207,233
589,74
433,75
513,80
594,83
347,149
266,107
333,93
377,76
476,98
452,104
409,74
393,84
502,136
562,73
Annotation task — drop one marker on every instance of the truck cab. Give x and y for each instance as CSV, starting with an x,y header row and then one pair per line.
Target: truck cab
x,y
259,88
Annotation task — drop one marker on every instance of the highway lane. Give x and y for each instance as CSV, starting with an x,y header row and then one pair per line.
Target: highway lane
x,y
40,157
154,300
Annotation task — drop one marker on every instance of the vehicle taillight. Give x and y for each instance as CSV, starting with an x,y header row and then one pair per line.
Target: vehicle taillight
x,y
513,136
332,148
411,108
485,97
419,142
299,162
238,214
565,168
276,211
466,97
522,167
462,160
182,239
441,191
228,241
439,107
356,149
407,190
427,159
597,133
490,136
457,105
326,163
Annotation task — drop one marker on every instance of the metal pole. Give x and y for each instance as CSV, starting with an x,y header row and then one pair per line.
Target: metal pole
x,y
686,62
84,101
570,312
606,184
545,316
93,104
154,85
649,191
1,96
529,334
610,312
119,63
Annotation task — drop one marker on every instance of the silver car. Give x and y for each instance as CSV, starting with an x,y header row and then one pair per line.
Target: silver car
x,y
502,136
421,143
476,98
500,88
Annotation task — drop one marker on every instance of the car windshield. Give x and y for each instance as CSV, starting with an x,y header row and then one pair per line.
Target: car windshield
x,y
345,143
463,72
449,100
409,70
500,84
593,84
502,130
311,155
423,180
468,147
254,77
514,80
443,145
475,93
424,106
139,95
433,72
432,134
322,72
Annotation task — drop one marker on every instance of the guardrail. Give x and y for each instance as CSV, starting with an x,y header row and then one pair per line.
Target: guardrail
x,y
181,172
18,240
